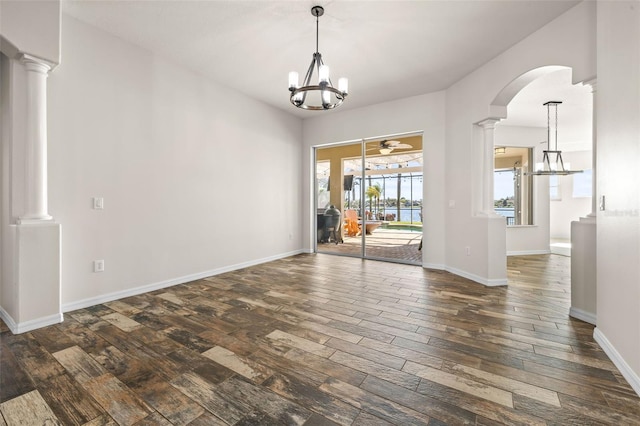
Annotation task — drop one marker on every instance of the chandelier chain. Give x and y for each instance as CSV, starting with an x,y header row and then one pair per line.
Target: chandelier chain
x,y
556,129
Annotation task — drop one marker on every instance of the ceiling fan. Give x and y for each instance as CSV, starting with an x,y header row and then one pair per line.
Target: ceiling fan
x,y
386,146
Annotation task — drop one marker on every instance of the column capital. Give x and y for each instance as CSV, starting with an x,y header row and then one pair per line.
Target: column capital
x,y
35,64
489,123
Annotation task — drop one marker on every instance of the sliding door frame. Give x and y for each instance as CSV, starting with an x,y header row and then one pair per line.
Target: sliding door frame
x,y
363,146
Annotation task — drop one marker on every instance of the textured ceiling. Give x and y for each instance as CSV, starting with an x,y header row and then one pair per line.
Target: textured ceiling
x,y
387,49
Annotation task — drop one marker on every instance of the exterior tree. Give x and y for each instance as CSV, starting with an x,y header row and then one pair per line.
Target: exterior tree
x,y
372,192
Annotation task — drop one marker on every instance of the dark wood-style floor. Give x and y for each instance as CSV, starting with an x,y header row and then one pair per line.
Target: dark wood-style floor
x,y
322,340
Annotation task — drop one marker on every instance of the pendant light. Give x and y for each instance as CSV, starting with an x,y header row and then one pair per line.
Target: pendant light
x,y
319,96
552,163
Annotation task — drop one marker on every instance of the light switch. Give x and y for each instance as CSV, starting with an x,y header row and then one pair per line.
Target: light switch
x,y
98,203
98,266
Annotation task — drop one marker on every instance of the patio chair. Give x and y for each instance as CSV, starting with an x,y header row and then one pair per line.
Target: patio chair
x,y
351,226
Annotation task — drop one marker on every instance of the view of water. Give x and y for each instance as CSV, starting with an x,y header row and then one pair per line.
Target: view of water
x,y
505,211
406,214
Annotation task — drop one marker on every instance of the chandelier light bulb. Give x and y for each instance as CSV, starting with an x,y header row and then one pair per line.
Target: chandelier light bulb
x,y
326,97
343,85
323,74
293,80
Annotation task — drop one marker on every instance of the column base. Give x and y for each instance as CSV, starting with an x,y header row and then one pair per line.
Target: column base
x,y
32,299
35,220
583,269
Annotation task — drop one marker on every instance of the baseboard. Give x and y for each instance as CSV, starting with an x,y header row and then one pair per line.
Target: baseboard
x,y
477,278
612,353
23,327
527,252
110,297
582,315
562,251
436,266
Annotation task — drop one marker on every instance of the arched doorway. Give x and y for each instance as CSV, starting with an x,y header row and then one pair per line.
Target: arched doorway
x,y
564,206
555,201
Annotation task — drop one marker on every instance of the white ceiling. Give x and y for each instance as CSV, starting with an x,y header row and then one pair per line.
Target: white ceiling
x,y
388,49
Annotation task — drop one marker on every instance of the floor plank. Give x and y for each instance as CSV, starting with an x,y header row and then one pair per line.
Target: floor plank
x,y
28,409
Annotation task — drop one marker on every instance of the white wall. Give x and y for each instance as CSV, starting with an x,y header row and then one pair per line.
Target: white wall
x,y
567,209
196,178
618,179
424,113
529,239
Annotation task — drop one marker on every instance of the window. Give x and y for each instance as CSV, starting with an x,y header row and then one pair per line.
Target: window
x,y
554,188
582,184
513,186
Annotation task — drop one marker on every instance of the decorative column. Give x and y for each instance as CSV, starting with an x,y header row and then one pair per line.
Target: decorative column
x,y
488,165
34,298
584,240
594,139
36,207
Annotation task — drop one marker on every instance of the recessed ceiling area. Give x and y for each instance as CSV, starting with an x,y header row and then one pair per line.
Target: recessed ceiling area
x,y
388,49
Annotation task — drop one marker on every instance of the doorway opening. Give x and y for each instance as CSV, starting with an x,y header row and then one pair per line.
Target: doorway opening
x,y
369,197
551,200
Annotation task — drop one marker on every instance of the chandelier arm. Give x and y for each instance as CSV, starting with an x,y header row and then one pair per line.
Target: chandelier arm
x,y
307,78
545,159
319,62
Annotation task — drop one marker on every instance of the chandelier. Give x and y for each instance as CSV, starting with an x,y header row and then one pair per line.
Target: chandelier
x,y
320,96
552,163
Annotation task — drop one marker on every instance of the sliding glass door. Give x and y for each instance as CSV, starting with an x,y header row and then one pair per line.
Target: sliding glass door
x,y
338,190
375,187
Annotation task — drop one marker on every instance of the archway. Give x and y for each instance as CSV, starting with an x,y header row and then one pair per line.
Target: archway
x,y
570,215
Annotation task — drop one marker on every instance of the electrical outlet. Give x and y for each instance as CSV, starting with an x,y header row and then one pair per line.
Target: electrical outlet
x,y
467,250
98,266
